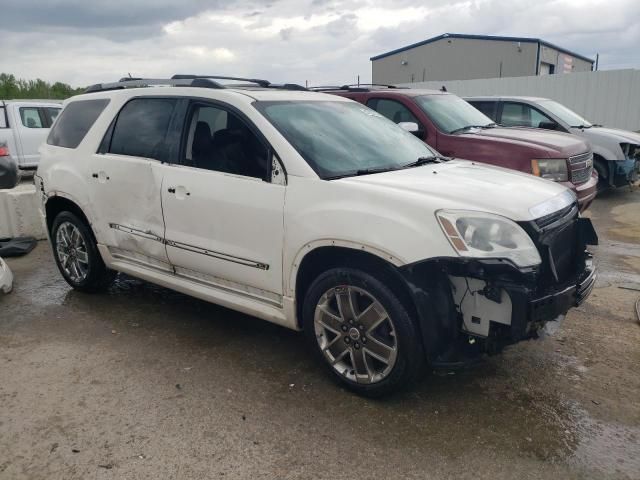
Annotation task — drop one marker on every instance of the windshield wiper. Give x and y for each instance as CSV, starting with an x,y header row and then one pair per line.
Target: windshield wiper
x,y
462,129
425,160
582,127
369,171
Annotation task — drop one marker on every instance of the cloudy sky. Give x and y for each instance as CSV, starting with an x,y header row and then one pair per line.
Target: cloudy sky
x,y
322,41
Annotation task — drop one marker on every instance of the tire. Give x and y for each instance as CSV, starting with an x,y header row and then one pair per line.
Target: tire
x,y
603,180
340,312
76,254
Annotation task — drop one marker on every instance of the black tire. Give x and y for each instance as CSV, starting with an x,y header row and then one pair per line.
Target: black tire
x,y
98,277
409,360
603,180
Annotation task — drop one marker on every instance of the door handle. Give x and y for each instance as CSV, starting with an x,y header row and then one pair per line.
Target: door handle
x,y
171,190
94,175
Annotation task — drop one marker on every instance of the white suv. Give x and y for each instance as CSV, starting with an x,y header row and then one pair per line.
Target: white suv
x,y
313,212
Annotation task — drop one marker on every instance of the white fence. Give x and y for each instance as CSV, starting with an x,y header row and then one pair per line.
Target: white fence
x,y
608,97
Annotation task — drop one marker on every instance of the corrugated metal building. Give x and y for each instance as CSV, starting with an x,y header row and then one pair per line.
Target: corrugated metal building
x,y
453,56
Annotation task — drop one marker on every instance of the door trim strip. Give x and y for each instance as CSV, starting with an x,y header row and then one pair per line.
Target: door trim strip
x,y
191,248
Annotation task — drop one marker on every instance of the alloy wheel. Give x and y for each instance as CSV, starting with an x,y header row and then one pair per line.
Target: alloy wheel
x,y
355,334
71,250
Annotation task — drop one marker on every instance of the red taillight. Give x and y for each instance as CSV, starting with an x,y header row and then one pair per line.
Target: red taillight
x,y
4,151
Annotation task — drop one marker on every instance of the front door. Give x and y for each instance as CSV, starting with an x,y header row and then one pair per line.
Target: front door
x,y
31,129
126,175
223,215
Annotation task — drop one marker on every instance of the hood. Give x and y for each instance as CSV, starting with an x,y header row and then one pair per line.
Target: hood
x,y
460,184
557,145
594,134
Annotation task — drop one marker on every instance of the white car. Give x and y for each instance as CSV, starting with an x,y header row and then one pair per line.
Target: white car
x,y
24,126
616,153
313,212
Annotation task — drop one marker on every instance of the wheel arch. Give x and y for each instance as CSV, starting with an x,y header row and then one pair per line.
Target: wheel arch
x,y
314,260
58,203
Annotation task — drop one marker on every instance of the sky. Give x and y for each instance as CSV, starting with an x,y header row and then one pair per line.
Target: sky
x,y
81,42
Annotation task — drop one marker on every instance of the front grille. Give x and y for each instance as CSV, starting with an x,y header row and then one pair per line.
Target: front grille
x,y
561,216
581,167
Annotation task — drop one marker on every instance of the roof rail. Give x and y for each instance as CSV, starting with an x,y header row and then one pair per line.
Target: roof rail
x,y
181,80
362,87
262,83
147,82
257,81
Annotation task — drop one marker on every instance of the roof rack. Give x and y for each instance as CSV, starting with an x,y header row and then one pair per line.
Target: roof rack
x,y
187,80
361,87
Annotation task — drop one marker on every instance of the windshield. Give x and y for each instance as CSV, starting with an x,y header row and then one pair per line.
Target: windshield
x,y
569,117
343,138
451,113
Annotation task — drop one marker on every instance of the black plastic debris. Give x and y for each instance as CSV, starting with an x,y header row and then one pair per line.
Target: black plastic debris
x,y
15,247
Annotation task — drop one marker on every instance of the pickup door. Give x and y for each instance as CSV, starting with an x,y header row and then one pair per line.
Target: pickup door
x,y
30,124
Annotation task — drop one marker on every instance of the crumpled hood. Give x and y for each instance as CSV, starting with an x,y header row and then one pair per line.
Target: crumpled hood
x,y
460,184
563,144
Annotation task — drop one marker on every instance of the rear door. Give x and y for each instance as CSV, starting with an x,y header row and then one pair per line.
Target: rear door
x,y
223,214
127,175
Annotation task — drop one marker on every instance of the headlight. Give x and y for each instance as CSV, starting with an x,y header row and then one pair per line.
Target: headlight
x,y
478,234
550,168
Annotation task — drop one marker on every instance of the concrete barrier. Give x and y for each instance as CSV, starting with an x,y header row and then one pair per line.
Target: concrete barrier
x,y
19,215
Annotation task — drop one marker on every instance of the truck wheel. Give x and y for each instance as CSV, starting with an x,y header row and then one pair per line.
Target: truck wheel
x,y
76,255
362,332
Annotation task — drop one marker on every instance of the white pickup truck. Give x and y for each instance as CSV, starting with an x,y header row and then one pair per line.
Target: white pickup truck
x,y
24,126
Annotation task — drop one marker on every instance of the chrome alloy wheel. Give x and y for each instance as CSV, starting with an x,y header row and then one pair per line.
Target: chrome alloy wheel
x,y
72,252
355,334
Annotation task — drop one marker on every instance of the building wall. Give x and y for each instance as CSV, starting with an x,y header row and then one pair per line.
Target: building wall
x,y
562,62
457,59
607,97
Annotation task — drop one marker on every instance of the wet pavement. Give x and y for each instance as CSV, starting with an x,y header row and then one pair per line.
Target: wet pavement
x,y
146,383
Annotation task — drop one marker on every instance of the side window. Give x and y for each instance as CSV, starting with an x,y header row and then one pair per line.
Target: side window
x,y
394,111
520,114
75,121
219,140
538,118
141,128
51,113
3,118
490,109
30,117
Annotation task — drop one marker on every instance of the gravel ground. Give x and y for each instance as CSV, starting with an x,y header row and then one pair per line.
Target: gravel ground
x,y
146,383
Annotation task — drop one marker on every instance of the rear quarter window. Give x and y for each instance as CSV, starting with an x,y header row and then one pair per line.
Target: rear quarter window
x,y
75,121
3,118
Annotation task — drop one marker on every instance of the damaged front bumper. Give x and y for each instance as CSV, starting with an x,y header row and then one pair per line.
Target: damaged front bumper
x,y
623,172
6,277
481,305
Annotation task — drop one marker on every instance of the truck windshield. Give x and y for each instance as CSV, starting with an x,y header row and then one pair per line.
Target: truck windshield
x,y
340,139
452,114
569,117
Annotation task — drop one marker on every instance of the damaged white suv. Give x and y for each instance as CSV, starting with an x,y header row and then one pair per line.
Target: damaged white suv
x,y
313,212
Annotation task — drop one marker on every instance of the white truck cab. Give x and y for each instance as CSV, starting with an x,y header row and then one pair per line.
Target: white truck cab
x,y
313,212
24,126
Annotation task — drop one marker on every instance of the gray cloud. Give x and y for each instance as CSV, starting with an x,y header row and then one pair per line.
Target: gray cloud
x,y
322,41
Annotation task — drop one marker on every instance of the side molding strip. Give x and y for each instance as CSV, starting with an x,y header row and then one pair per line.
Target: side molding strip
x,y
202,251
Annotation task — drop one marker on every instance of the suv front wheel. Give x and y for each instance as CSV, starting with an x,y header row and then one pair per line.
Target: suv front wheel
x,y
362,331
76,254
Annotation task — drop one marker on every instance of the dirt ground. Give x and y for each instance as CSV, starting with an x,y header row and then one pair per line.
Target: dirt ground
x,y
144,383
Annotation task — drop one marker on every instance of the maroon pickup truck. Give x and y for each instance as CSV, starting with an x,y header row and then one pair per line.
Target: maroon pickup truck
x,y
455,128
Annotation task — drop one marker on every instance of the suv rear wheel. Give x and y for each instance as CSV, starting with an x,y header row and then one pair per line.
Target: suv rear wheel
x,y
76,254
362,332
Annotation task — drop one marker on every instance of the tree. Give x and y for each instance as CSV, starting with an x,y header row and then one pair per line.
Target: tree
x,y
12,88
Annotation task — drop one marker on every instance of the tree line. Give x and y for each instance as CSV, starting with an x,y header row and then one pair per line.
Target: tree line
x,y
12,88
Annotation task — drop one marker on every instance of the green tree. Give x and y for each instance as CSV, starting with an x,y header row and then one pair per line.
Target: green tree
x,y
12,88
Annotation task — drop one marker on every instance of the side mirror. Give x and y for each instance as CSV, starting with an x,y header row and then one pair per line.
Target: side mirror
x,y
548,125
411,127
9,174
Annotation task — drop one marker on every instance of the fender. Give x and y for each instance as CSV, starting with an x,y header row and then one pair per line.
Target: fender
x,y
387,256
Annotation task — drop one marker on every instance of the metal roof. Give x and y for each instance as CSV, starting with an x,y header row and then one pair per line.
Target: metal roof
x,y
484,37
